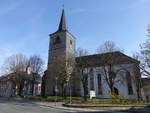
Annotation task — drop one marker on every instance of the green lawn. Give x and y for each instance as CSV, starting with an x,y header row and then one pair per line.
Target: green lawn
x,y
79,100
112,102
54,98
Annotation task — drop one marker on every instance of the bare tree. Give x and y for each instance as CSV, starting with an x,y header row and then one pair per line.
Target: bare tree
x,y
62,68
108,70
145,56
110,74
36,64
144,67
83,70
136,56
36,67
81,52
108,46
69,68
16,65
138,73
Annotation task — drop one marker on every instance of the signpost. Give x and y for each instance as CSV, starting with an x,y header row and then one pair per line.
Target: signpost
x,y
92,94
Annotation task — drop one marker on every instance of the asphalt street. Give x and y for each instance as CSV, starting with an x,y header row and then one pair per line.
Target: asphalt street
x,y
13,106
7,106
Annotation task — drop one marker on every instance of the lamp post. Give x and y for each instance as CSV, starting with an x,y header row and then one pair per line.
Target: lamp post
x,y
70,93
56,90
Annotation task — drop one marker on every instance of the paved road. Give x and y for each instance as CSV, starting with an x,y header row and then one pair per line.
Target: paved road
x,y
11,106
7,106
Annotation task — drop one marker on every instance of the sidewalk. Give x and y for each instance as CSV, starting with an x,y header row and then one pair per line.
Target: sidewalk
x,y
59,105
115,109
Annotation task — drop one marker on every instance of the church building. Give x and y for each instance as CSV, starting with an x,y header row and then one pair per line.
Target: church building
x,y
123,69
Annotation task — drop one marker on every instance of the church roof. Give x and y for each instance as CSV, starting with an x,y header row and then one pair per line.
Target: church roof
x,y
62,25
96,60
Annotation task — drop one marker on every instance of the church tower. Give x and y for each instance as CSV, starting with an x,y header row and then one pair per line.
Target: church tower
x,y
62,43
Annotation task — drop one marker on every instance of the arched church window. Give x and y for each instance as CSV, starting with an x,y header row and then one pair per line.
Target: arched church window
x,y
91,79
99,79
129,83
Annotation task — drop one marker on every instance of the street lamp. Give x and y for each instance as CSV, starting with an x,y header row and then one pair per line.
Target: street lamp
x,y
70,93
56,90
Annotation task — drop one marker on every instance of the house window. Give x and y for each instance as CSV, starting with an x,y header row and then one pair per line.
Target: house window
x,y
91,80
129,83
99,84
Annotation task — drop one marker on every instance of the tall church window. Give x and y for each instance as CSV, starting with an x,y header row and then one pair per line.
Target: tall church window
x,y
129,83
71,42
99,78
91,80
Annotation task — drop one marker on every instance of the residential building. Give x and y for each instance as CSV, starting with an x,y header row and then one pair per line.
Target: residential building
x,y
8,85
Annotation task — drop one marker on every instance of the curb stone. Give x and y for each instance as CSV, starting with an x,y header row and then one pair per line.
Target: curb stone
x,y
69,108
107,107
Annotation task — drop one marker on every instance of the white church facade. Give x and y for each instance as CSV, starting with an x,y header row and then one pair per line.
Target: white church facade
x,y
97,67
125,82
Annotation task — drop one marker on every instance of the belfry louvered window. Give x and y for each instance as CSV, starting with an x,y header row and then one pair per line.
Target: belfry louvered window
x,y
57,40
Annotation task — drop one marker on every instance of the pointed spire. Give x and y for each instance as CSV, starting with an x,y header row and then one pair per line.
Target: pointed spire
x,y
62,25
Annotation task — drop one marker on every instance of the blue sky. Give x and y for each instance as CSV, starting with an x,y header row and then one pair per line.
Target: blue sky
x,y
26,24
